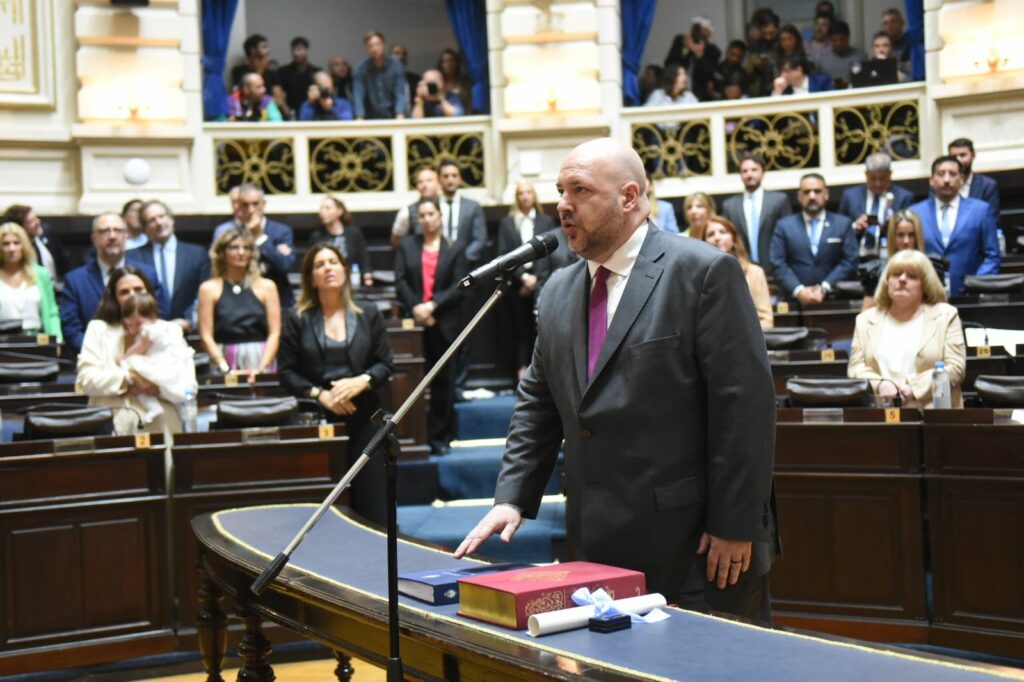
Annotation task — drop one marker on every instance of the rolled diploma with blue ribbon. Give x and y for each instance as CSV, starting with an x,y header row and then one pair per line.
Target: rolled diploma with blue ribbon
x,y
578,617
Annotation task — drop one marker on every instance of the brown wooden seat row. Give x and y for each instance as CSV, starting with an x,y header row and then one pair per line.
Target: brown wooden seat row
x,y
95,540
838,318
828,363
854,491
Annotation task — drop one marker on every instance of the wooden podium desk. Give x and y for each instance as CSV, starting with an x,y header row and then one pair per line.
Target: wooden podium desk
x,y
974,471
83,557
224,469
334,591
848,487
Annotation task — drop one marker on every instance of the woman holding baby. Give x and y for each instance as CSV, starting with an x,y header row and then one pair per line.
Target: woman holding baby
x,y
132,362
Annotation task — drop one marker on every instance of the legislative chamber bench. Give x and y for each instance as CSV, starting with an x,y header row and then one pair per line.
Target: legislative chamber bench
x,y
828,362
334,591
838,317
875,506
95,533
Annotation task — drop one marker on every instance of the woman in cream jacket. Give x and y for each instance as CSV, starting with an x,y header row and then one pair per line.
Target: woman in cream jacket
x,y
897,343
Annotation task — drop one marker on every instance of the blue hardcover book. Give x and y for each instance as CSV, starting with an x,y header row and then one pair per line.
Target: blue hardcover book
x,y
441,586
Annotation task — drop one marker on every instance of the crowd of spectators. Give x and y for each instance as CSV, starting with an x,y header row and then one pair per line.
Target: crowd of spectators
x,y
236,295
776,59
379,87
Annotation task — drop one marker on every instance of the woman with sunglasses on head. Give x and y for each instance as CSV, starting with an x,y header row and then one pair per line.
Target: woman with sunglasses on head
x,y
239,310
903,232
337,353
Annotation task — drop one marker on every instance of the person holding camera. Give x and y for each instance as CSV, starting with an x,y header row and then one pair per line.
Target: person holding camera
x,y
871,205
433,100
322,104
698,55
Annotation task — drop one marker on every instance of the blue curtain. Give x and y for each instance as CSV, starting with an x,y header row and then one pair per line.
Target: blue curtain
x,y
637,17
915,32
469,22
218,15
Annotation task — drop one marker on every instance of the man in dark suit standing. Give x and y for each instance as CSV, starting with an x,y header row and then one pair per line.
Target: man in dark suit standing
x,y
813,249
649,358
83,286
756,211
275,241
180,267
463,218
962,230
975,185
463,223
871,205
49,250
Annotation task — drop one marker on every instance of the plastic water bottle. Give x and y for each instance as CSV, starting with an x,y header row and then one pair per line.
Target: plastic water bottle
x,y
1002,242
190,413
941,397
357,279
883,249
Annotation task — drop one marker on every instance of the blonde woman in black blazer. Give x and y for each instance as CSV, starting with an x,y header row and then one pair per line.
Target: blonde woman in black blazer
x,y
338,354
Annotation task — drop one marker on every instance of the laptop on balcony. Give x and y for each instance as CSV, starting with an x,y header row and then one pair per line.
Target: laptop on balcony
x,y
874,72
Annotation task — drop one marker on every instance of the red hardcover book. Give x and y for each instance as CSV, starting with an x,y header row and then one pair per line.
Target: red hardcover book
x,y
510,598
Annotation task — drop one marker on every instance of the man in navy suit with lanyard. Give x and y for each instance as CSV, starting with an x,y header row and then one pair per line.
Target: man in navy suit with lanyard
x,y
651,364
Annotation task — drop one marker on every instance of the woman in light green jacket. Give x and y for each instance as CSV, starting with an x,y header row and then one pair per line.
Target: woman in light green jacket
x,y
26,290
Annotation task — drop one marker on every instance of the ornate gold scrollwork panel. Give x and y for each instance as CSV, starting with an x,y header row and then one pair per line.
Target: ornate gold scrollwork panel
x,y
674,149
786,140
465,149
893,127
351,164
270,164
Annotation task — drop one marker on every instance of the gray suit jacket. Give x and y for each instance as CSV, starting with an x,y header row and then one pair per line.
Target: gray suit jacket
x,y
644,475
774,207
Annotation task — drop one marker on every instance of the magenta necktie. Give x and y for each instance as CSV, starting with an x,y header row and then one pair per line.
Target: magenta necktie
x,y
598,318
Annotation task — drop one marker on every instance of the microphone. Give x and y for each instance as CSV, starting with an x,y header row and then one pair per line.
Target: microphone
x,y
538,247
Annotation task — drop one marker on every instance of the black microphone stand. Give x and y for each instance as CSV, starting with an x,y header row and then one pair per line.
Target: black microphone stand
x,y
385,432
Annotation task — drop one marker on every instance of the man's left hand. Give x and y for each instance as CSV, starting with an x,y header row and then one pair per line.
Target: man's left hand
x,y
726,559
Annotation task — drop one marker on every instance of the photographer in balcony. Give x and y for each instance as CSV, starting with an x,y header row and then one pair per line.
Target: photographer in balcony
x,y
322,104
434,100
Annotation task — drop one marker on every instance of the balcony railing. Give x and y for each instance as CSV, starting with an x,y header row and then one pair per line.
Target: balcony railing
x,y
698,147
372,163
686,148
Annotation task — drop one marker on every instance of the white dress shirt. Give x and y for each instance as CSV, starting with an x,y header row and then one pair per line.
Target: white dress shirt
x,y
105,269
619,265
954,208
526,225
170,249
965,189
46,257
453,208
750,200
897,347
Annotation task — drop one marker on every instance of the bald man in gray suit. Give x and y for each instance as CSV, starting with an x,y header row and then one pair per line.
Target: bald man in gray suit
x,y
651,364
